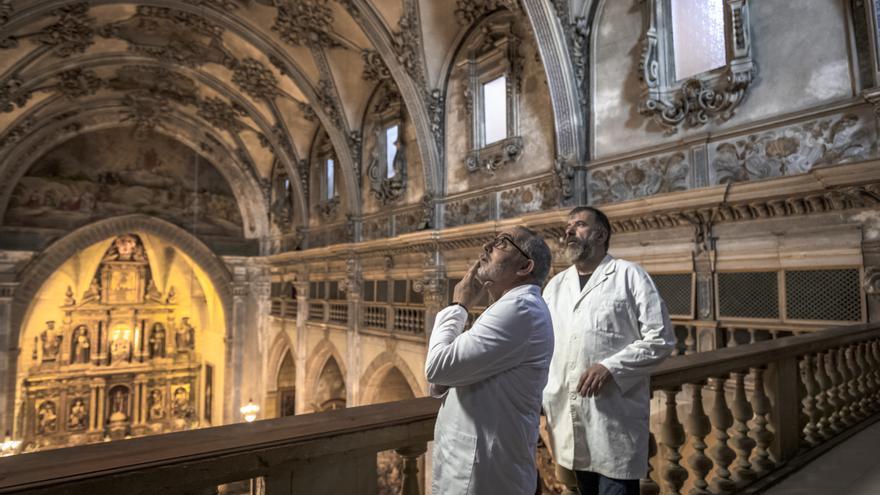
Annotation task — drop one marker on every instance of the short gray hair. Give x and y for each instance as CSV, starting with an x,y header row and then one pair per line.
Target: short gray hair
x,y
539,252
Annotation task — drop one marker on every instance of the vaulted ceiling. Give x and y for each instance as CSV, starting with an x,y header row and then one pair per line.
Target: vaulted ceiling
x,y
246,83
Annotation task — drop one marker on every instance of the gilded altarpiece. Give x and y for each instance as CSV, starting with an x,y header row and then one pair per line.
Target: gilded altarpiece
x,y
122,363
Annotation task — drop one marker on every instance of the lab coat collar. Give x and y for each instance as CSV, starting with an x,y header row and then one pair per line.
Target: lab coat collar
x,y
600,274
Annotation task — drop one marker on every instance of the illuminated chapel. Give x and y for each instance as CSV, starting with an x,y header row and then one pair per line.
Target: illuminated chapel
x,y
226,227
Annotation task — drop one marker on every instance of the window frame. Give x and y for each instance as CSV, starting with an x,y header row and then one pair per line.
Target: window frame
x,y
491,53
388,112
713,95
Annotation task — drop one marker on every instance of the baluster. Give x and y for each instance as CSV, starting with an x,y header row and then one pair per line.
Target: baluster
x,y
762,464
690,342
809,401
752,337
774,334
845,392
411,468
741,442
721,454
648,486
731,337
835,401
698,426
672,438
872,378
853,384
861,378
826,410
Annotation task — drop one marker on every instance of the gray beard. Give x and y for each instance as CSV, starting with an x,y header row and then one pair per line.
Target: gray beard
x,y
578,252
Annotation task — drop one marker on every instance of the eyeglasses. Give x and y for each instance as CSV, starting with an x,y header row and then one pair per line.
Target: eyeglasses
x,y
498,243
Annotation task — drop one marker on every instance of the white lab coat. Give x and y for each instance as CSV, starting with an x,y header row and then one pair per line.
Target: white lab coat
x,y
620,321
487,427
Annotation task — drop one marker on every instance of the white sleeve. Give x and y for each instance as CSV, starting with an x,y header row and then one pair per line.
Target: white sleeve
x,y
636,361
495,343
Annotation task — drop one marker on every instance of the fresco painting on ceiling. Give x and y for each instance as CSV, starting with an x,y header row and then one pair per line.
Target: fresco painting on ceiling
x,y
107,173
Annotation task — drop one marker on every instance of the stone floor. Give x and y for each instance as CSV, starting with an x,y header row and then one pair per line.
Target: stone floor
x,y
851,468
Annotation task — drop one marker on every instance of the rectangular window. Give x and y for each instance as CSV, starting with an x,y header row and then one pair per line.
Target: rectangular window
x,y
698,36
390,150
331,182
494,110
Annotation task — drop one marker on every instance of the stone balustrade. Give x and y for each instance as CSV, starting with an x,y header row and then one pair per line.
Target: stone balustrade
x,y
728,420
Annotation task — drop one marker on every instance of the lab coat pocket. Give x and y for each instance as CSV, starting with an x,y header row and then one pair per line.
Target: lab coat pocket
x,y
608,318
454,456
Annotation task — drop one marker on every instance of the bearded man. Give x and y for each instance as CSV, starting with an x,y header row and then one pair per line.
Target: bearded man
x,y
492,376
611,329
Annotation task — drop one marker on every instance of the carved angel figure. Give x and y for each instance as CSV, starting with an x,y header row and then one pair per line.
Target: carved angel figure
x,y
51,341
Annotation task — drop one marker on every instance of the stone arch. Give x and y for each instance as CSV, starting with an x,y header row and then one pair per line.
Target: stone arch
x,y
279,351
45,264
378,370
320,356
20,158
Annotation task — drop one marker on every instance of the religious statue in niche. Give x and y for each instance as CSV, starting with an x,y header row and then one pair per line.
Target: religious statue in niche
x,y
119,403
81,346
93,293
153,293
125,248
185,338
50,339
47,418
156,405
68,297
180,407
157,341
172,296
120,345
79,416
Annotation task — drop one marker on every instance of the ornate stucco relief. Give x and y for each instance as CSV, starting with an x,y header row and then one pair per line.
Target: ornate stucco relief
x,y
639,178
794,149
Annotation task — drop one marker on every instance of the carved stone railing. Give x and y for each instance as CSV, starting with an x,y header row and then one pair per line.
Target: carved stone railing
x,y
338,313
730,419
317,311
732,333
284,307
738,411
396,319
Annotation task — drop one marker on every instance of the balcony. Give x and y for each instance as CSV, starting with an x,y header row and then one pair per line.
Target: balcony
x,y
731,420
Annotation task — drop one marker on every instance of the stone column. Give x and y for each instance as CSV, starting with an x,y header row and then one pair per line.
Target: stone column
x,y
9,351
93,405
300,342
235,346
140,400
261,291
100,386
706,331
352,286
433,287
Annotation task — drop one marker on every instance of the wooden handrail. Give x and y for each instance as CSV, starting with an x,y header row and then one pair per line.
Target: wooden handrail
x,y
223,454
697,367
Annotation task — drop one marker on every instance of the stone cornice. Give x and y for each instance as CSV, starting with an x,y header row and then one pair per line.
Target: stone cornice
x,y
825,189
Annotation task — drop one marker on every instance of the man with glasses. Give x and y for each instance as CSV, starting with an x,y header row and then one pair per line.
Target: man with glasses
x,y
611,328
492,375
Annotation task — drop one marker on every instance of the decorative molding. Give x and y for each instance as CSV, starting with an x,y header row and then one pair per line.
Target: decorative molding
x,y
469,11
326,95
18,132
526,199
10,97
639,178
174,36
407,43
221,115
435,101
490,158
465,211
328,208
794,149
73,32
305,23
564,171
6,10
255,79
307,111
375,69
145,112
77,83
696,101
